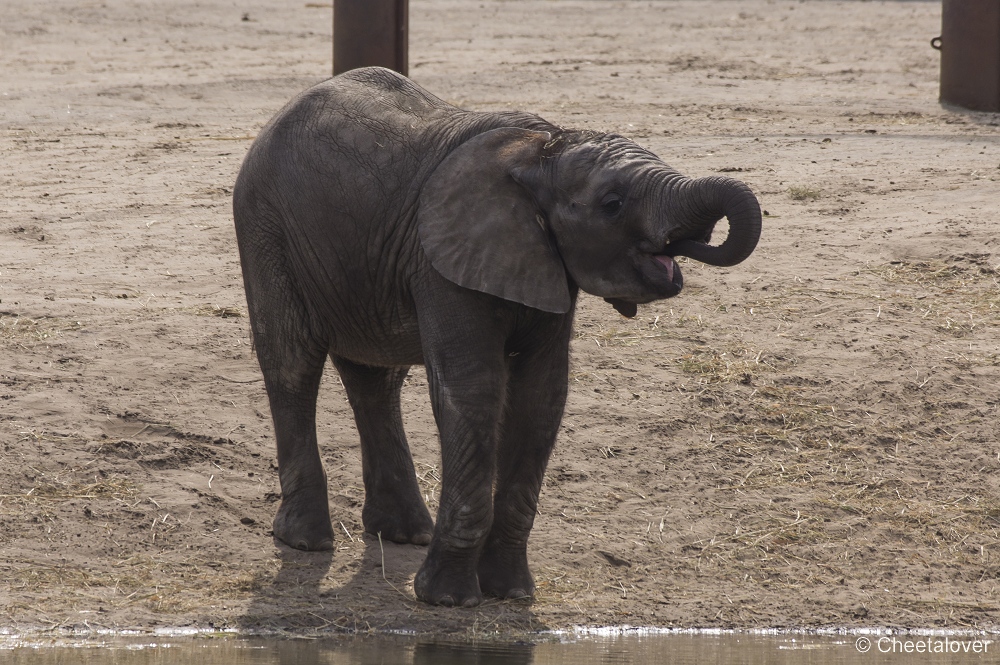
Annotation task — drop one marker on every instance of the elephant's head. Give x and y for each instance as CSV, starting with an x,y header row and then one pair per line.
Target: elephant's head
x,y
511,212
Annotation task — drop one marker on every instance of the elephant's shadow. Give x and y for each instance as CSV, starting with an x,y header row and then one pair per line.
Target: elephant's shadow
x,y
298,600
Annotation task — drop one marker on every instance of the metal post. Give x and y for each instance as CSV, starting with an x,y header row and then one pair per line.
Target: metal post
x,y
370,33
970,53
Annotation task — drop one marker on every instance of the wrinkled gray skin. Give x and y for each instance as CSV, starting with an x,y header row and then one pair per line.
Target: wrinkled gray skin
x,y
384,228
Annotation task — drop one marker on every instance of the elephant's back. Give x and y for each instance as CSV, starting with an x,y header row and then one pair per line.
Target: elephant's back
x,y
344,161
370,135
380,91
363,128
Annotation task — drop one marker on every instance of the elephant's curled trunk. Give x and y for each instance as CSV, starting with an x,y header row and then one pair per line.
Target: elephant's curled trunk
x,y
700,203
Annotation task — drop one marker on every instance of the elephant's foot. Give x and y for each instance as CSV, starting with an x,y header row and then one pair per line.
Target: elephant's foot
x,y
505,574
304,524
398,521
447,582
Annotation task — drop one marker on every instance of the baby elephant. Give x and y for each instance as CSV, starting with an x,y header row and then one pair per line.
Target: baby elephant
x,y
386,228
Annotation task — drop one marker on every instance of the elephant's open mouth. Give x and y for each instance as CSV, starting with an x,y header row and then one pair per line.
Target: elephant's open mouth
x,y
663,272
674,276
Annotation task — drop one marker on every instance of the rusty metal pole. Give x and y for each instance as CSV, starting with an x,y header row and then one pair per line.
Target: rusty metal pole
x,y
370,33
970,53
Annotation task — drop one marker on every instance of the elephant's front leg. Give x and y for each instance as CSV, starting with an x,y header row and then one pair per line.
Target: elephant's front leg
x,y
536,396
467,386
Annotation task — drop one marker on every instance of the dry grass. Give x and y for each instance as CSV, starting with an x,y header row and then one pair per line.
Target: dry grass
x,y
429,481
40,503
934,274
789,417
804,193
820,477
738,364
22,330
973,286
141,580
60,488
221,312
622,336
956,298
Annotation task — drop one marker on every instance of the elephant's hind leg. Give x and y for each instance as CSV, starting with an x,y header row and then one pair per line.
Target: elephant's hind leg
x,y
393,506
303,518
291,359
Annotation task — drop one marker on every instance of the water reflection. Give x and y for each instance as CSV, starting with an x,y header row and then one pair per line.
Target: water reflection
x,y
396,651
625,650
437,653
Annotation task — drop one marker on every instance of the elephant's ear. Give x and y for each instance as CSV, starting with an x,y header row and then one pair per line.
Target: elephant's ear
x,y
481,228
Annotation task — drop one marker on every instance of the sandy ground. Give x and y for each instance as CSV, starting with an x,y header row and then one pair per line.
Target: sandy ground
x,y
806,440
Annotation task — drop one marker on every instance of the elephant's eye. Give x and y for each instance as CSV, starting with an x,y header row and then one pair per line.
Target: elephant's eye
x,y
612,203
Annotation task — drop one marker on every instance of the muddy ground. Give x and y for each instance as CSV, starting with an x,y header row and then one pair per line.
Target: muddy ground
x,y
806,440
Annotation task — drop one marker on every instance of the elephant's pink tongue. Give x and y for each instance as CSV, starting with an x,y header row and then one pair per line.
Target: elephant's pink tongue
x,y
668,263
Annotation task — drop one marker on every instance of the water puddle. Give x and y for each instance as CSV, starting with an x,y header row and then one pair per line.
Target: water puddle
x,y
673,648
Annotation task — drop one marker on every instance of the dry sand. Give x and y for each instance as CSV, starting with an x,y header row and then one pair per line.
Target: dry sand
x,y
806,440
